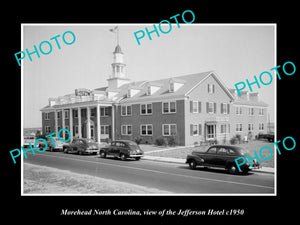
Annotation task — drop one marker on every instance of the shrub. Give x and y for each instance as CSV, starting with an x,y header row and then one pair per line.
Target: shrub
x,y
138,140
238,137
172,141
233,140
160,141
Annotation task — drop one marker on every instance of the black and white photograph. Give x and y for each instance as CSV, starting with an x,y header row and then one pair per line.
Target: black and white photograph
x,y
160,118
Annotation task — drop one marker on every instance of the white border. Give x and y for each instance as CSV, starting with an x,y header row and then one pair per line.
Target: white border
x,y
147,24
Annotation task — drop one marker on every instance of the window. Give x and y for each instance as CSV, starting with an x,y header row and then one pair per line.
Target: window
x,y
47,116
66,114
195,107
261,111
212,150
47,129
250,127
58,115
76,130
169,129
230,152
93,111
146,109
171,87
169,107
211,107
126,130
238,110
196,129
261,126
104,111
251,111
222,151
238,127
211,88
223,128
148,90
211,131
224,108
104,129
146,129
75,113
126,110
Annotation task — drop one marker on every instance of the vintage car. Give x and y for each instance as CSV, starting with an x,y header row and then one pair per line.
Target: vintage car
x,y
81,146
58,144
268,136
222,156
123,149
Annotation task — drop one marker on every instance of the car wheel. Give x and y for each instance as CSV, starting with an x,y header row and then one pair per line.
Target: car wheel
x,y
137,158
79,152
102,154
123,157
51,149
232,169
192,164
65,150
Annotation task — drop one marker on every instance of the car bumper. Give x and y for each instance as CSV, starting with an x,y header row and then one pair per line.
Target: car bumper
x,y
136,156
91,151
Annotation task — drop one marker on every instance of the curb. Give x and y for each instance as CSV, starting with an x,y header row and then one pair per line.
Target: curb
x,y
268,170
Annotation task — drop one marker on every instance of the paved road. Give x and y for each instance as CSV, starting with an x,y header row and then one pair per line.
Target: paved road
x,y
177,178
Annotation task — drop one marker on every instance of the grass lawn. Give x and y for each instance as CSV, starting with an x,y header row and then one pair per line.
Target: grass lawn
x,y
250,147
48,180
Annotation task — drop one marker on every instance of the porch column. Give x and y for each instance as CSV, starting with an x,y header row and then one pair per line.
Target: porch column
x,y
79,122
88,123
98,125
56,122
71,123
112,122
63,123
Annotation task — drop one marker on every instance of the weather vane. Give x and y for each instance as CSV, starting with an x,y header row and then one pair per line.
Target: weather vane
x,y
116,30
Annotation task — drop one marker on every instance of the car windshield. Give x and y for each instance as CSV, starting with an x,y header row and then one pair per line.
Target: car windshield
x,y
241,150
132,143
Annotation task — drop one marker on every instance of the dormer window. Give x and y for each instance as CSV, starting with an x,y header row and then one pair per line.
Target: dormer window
x,y
128,93
171,87
152,87
175,84
148,90
132,91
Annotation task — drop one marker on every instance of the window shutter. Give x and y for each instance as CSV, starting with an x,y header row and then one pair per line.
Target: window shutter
x,y
191,106
199,107
215,107
213,88
207,107
207,88
228,107
191,129
222,108
200,129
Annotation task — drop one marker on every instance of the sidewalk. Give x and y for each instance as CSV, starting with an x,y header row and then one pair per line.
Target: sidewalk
x,y
182,161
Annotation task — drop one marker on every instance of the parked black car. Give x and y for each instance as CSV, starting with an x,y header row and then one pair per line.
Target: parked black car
x,y
123,149
222,156
269,136
81,146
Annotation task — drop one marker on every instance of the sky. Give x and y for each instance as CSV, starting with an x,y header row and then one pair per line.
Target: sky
x,y
236,52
